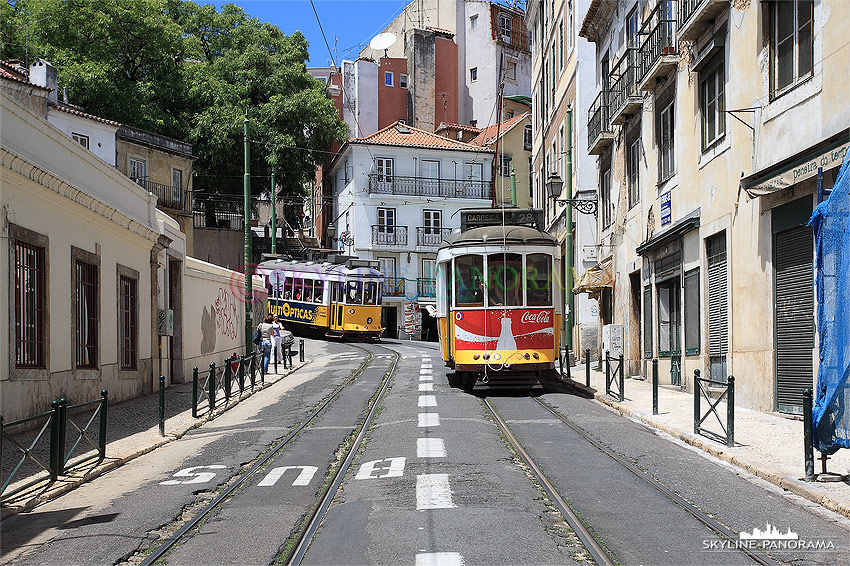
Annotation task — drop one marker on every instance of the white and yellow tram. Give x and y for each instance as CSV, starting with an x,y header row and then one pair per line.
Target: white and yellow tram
x,y
498,303
337,300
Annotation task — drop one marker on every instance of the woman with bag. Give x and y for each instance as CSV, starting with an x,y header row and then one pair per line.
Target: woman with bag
x,y
265,330
277,339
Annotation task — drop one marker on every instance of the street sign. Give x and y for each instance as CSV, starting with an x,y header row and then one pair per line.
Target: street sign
x,y
666,214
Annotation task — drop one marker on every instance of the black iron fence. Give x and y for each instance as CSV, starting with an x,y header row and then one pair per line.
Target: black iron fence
x,y
167,196
624,80
394,287
660,33
383,235
702,389
431,237
427,187
598,116
426,287
48,448
686,10
612,377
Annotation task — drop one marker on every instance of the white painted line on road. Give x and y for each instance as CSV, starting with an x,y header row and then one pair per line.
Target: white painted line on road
x,y
439,559
429,419
427,401
430,448
368,470
197,477
303,478
426,387
426,370
433,492
426,378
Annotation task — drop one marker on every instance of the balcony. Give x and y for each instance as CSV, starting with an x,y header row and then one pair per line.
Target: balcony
x,y
429,237
625,97
222,212
599,134
426,287
389,236
167,196
394,287
659,54
426,187
696,16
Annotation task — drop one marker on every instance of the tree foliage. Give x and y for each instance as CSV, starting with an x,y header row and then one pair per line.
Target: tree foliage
x,y
190,72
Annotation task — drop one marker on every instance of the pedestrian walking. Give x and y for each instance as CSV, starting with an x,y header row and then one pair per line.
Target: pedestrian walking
x,y
277,340
265,330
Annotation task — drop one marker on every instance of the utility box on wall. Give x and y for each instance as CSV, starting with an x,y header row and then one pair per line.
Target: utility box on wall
x,y
612,339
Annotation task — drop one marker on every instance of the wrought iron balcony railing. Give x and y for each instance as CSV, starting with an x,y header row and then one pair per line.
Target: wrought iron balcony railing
x,y
659,32
167,196
394,287
686,10
624,90
431,237
598,120
426,187
383,235
426,287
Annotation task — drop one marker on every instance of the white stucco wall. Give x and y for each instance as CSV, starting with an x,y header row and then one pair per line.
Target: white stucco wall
x,y
101,136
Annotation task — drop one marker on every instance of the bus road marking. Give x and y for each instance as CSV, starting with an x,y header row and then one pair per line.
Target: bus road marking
x,y
430,448
439,559
427,401
196,477
303,478
426,387
429,419
433,492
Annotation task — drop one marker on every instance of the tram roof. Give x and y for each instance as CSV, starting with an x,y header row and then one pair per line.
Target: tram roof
x,y
498,235
317,267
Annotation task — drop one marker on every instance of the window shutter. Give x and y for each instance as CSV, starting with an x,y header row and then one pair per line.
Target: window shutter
x,y
692,311
647,322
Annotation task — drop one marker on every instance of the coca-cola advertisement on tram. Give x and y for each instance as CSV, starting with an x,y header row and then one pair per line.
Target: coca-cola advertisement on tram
x,y
514,329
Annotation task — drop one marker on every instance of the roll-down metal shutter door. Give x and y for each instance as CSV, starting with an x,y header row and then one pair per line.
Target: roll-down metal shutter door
x,y
718,319
794,311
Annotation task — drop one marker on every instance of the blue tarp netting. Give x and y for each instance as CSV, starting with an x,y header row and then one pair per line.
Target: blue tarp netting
x,y
831,223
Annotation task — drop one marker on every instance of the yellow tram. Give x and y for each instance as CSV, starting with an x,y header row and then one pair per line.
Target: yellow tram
x,y
498,301
335,299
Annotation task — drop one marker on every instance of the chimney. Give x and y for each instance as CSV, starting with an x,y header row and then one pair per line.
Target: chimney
x,y
44,74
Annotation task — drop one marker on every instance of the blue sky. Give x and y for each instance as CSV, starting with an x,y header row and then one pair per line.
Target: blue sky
x,y
348,24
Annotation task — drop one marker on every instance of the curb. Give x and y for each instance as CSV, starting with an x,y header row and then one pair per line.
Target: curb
x,y
795,486
70,483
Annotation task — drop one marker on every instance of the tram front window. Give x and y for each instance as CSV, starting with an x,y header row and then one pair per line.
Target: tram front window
x,y
538,280
469,278
318,291
503,281
354,293
370,295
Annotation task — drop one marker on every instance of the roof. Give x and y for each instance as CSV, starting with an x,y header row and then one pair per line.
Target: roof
x,y
498,235
457,127
68,109
488,134
12,73
402,135
521,98
597,16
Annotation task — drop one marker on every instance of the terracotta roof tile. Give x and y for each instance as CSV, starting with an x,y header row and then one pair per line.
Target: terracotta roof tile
x,y
71,110
458,127
398,134
488,134
11,73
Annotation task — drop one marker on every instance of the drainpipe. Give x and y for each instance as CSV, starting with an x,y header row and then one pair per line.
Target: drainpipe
x,y
568,261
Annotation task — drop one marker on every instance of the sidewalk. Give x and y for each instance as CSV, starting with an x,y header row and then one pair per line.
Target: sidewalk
x,y
133,430
767,445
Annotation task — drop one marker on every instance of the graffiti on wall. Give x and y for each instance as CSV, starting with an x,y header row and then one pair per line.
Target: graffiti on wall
x,y
226,313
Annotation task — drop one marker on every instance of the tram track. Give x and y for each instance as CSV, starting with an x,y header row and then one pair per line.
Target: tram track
x,y
305,534
584,531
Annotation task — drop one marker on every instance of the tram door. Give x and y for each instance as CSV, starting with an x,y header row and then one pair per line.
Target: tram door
x,y
337,308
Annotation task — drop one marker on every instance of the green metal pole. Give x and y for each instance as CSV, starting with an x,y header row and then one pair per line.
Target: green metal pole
x,y
247,217
161,405
568,261
274,217
513,186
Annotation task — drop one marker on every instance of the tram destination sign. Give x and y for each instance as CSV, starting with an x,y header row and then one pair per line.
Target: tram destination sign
x,y
531,217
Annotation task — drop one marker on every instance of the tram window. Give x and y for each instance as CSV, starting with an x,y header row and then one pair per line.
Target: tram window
x,y
297,288
538,281
308,290
469,278
370,295
287,288
503,281
318,291
353,295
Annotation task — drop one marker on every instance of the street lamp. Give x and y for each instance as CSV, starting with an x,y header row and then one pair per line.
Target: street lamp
x,y
554,186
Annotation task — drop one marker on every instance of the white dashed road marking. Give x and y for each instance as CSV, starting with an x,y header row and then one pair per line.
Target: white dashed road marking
x,y
433,492
430,448
426,387
426,378
427,401
439,559
429,419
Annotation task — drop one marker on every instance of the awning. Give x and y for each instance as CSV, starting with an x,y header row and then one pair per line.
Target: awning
x,y
826,155
675,231
597,277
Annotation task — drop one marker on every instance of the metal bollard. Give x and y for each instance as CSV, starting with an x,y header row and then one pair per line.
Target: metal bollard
x,y
697,387
655,386
63,427
195,392
211,387
228,380
291,354
808,436
241,373
301,350
101,440
622,379
587,367
607,371
730,412
54,440
161,405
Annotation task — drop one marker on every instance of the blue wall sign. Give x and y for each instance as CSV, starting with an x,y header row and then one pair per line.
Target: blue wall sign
x,y
665,209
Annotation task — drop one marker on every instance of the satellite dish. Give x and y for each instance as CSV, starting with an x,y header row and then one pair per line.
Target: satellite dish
x,y
383,41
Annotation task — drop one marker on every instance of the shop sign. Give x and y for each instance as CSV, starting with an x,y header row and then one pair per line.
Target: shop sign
x,y
666,211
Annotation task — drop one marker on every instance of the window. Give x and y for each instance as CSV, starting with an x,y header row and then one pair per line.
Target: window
x,y
666,144
632,28
388,78
86,316
177,178
561,46
633,170
504,279
30,316
692,312
526,138
80,139
432,221
128,322
473,22
510,70
712,104
607,204
538,280
791,42
505,165
384,169
505,27
176,188
509,113
668,317
469,280
402,81
386,220
473,74
138,168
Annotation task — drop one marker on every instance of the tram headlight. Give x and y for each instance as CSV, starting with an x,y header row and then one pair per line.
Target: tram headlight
x,y
536,356
486,356
476,356
526,356
369,320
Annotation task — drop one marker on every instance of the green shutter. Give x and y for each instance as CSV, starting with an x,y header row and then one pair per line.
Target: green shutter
x,y
692,312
